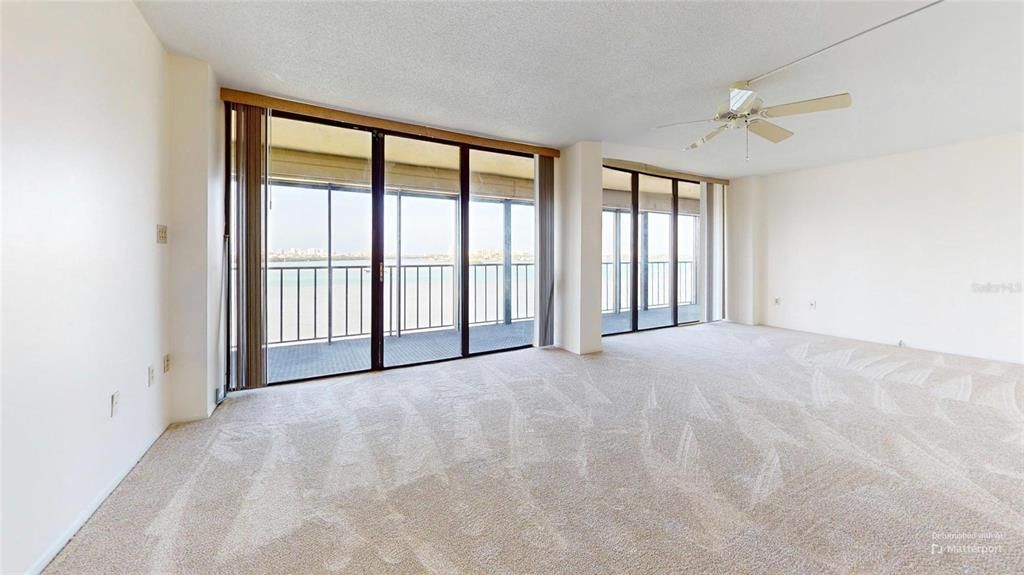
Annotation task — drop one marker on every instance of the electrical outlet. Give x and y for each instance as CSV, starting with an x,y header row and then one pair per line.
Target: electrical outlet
x,y
167,362
161,234
152,377
114,399
814,304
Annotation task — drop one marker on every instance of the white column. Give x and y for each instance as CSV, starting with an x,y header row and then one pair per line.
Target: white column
x,y
578,248
195,188
716,261
741,251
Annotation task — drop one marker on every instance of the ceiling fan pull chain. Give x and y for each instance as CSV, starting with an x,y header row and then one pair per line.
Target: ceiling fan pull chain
x,y
746,131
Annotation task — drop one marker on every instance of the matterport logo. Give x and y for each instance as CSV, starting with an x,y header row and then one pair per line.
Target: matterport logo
x,y
967,543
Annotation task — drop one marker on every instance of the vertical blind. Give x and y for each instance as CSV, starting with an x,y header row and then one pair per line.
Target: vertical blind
x,y
545,201
250,195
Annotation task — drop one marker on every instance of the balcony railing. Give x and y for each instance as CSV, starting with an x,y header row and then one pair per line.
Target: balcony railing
x,y
658,285
306,303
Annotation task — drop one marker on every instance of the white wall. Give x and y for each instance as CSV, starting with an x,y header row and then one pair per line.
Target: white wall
x,y
196,226
1,298
891,248
82,305
578,193
105,135
216,273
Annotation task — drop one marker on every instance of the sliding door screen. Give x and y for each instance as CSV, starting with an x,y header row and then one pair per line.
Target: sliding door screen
x,y
616,251
501,251
317,254
422,311
655,251
688,253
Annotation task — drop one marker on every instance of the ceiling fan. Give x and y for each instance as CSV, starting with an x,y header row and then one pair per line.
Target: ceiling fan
x,y
746,111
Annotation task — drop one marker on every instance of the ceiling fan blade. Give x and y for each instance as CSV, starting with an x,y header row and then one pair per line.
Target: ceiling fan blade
x,y
707,137
769,131
808,106
683,123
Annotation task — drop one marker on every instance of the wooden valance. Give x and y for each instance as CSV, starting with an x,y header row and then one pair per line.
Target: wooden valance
x,y
663,172
280,104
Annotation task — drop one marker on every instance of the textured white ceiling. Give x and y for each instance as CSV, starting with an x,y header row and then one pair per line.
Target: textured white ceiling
x,y
556,73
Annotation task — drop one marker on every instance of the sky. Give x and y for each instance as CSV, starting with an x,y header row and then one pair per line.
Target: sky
x,y
658,236
298,220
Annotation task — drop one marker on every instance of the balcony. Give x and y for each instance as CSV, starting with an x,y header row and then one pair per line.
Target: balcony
x,y
318,317
653,300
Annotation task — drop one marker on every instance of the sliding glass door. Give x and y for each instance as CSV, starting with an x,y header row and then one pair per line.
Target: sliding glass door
x,y
318,242
357,249
616,252
655,240
422,307
688,253
651,240
501,251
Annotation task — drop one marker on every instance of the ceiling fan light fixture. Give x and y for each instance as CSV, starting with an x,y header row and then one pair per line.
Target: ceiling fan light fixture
x,y
741,98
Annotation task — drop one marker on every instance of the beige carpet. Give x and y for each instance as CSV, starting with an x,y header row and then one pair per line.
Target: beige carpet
x,y
706,449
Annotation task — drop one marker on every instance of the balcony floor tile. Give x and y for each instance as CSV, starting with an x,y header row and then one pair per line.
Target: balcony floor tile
x,y
318,358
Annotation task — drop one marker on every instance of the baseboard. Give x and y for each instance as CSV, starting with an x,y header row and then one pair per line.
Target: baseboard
x,y
83,517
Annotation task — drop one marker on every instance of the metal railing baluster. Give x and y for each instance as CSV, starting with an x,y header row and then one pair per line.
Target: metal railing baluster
x,y
482,275
280,305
